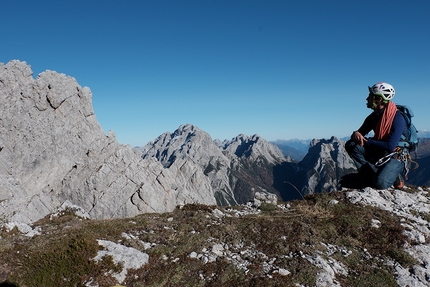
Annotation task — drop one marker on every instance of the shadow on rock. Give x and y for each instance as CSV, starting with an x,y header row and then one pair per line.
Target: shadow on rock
x,y
355,181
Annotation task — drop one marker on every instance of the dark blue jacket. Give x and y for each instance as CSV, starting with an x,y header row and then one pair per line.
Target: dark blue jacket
x,y
397,128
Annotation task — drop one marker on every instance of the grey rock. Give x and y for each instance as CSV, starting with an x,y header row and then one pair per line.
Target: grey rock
x,y
324,165
266,197
254,148
53,150
283,272
230,166
193,255
407,206
195,147
128,257
218,249
326,277
23,228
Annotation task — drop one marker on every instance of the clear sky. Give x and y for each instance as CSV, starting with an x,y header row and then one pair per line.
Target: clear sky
x,y
280,69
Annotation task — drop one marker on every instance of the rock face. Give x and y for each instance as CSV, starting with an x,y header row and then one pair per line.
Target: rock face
x,y
53,149
325,163
234,168
321,170
420,176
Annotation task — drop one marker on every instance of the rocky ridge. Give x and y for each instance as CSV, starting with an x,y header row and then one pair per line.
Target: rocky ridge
x,y
413,210
409,207
325,163
52,150
234,168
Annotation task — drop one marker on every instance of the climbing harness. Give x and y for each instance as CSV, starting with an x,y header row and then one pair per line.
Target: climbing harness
x,y
402,155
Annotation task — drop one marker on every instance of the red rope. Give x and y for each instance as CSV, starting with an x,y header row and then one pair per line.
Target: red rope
x,y
384,125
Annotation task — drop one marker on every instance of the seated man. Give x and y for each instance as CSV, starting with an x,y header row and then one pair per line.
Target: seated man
x,y
388,125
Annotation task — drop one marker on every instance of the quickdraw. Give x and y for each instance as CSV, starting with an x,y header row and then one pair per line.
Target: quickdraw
x,y
403,156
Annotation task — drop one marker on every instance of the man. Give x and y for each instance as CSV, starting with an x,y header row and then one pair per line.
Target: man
x,y
388,125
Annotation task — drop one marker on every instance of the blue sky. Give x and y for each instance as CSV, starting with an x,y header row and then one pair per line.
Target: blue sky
x,y
279,69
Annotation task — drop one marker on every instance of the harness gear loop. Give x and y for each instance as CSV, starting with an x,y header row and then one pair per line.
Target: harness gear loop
x,y
402,155
384,160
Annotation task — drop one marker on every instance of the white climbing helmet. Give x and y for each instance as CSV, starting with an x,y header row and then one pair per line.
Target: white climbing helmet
x,y
385,90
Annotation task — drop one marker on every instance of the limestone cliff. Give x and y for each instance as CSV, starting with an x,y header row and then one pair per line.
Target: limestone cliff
x,y
52,150
235,168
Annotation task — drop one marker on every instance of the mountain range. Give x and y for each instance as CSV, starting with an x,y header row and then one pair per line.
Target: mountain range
x,y
54,154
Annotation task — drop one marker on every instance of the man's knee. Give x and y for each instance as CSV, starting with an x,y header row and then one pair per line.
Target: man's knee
x,y
350,146
381,183
354,149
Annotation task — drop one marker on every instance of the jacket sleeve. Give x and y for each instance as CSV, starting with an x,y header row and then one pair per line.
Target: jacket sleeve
x,y
393,139
367,125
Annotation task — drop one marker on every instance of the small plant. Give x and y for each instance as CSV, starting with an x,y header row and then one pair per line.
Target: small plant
x,y
402,257
267,207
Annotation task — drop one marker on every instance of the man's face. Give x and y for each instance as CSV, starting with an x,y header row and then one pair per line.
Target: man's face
x,y
373,101
370,101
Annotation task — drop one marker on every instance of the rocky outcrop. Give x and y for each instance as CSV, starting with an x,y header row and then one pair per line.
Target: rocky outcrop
x,y
235,168
324,165
413,210
321,170
190,144
52,150
254,148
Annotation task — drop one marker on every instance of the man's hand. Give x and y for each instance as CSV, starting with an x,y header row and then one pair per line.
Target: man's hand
x,y
358,138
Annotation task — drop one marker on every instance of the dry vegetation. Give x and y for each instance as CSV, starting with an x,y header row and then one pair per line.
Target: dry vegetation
x,y
62,255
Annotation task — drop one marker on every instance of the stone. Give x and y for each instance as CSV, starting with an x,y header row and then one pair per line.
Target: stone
x,y
193,255
130,258
283,272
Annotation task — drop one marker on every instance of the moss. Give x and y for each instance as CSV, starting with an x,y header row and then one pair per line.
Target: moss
x,y
267,207
375,277
67,260
402,257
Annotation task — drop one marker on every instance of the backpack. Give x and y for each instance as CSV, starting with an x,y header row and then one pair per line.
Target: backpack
x,y
409,138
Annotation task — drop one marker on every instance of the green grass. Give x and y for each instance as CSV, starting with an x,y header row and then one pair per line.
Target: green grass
x,y
62,255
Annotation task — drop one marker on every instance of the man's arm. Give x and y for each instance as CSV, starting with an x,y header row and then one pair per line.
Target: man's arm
x,y
391,143
358,136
